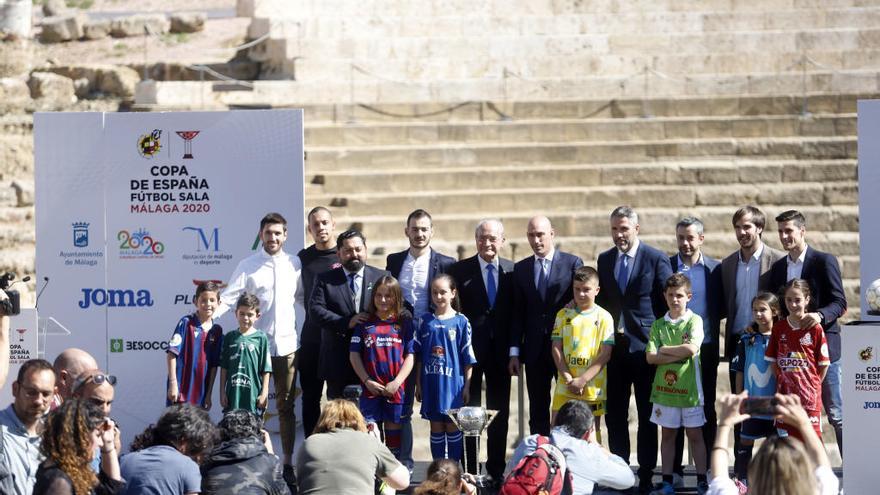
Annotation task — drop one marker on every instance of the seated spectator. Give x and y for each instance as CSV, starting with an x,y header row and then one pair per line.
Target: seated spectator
x,y
244,462
20,424
74,431
589,463
341,457
444,478
164,459
782,464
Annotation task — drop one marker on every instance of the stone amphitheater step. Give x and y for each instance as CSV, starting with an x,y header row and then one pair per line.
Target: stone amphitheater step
x,y
370,89
560,199
760,172
467,23
657,221
321,159
505,8
563,130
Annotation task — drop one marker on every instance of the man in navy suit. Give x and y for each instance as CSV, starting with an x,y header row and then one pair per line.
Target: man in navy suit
x,y
542,286
631,277
415,268
485,290
827,300
705,276
339,302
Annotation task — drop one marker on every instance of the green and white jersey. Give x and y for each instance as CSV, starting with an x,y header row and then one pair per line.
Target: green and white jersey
x,y
677,384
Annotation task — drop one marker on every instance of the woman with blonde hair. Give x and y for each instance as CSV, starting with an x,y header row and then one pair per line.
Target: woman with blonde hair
x,y
74,432
340,457
783,465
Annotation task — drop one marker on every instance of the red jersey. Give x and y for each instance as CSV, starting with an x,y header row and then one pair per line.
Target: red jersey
x,y
798,354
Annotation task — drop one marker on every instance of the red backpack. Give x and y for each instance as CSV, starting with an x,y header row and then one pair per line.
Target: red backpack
x,y
543,472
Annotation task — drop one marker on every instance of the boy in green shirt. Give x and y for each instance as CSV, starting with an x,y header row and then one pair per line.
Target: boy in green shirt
x,y
677,394
245,364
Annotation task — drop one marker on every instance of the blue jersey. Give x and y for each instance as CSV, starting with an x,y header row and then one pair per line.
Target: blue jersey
x,y
443,348
383,345
197,350
758,378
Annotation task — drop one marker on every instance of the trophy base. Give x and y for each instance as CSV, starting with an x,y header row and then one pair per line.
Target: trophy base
x,y
187,156
483,481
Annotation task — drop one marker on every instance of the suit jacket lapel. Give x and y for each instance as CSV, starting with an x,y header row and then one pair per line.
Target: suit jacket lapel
x,y
345,290
809,258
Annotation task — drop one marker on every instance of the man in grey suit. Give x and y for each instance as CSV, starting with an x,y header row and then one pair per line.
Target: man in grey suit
x,y
743,274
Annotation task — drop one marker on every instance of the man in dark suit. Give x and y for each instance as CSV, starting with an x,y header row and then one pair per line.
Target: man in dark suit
x,y
414,269
485,290
705,276
827,300
339,302
744,273
631,277
542,286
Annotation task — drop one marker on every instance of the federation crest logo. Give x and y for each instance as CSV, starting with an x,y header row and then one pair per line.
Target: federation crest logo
x,y
148,145
80,234
115,345
866,354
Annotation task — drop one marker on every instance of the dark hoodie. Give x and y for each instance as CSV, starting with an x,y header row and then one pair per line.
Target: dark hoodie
x,y
242,467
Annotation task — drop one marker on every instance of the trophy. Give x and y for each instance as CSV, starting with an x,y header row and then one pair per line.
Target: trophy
x,y
187,137
472,421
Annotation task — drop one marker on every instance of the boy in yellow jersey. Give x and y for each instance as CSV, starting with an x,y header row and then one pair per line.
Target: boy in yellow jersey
x,y
582,340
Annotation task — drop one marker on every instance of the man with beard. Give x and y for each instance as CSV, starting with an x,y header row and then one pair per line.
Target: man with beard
x,y
339,302
19,423
743,274
316,259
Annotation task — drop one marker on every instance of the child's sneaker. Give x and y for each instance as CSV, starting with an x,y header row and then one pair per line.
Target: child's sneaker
x,y
741,485
702,488
664,488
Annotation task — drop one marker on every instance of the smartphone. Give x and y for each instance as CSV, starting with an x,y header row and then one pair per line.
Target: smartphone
x,y
764,406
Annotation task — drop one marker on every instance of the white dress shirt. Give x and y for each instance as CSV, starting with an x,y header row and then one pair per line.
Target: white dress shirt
x,y
483,264
414,282
539,266
277,283
795,267
358,285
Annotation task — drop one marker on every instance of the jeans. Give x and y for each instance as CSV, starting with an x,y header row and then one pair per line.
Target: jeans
x,y
832,399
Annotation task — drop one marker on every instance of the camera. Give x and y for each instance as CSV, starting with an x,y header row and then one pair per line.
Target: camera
x,y
352,393
12,305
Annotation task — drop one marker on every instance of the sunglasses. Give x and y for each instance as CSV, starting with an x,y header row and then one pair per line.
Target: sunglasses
x,y
98,379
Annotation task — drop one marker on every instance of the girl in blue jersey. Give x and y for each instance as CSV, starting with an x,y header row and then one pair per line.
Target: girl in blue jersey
x,y
381,356
753,374
442,346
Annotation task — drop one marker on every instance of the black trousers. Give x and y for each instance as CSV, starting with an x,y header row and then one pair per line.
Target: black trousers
x,y
311,383
709,360
539,382
630,371
498,398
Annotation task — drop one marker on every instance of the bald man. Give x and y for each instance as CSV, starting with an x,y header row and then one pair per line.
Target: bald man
x,y
542,286
69,365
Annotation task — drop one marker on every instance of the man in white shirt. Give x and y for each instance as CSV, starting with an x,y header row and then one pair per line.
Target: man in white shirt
x,y
275,277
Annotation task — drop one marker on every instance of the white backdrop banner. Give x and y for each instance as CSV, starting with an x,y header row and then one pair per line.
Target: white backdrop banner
x,y
869,205
134,209
860,356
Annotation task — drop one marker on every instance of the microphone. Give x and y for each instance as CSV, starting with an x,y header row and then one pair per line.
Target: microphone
x,y
45,284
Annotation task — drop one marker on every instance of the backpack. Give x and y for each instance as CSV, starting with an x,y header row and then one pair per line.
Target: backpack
x,y
543,472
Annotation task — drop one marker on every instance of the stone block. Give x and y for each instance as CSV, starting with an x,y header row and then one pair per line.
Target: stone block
x,y
53,90
841,194
188,22
66,27
53,8
139,25
16,57
14,94
108,79
95,29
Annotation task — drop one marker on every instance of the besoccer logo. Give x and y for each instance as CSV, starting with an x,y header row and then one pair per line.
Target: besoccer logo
x,y
148,145
115,345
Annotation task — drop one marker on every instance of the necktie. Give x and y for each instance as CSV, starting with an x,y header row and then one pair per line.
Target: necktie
x,y
351,282
490,284
623,273
542,278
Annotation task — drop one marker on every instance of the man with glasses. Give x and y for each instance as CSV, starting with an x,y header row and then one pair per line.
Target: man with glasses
x,y
19,423
98,388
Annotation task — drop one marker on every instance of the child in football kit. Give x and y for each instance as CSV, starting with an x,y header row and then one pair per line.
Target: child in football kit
x,y
194,351
754,375
676,394
442,346
582,339
799,356
381,356
245,364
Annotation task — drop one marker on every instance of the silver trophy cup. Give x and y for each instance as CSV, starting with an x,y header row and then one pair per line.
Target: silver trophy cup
x,y
472,421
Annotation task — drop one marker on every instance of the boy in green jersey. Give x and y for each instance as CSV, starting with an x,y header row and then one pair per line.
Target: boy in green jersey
x,y
245,364
677,394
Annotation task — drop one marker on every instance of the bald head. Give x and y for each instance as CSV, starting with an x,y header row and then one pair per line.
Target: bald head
x,y
540,233
70,364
